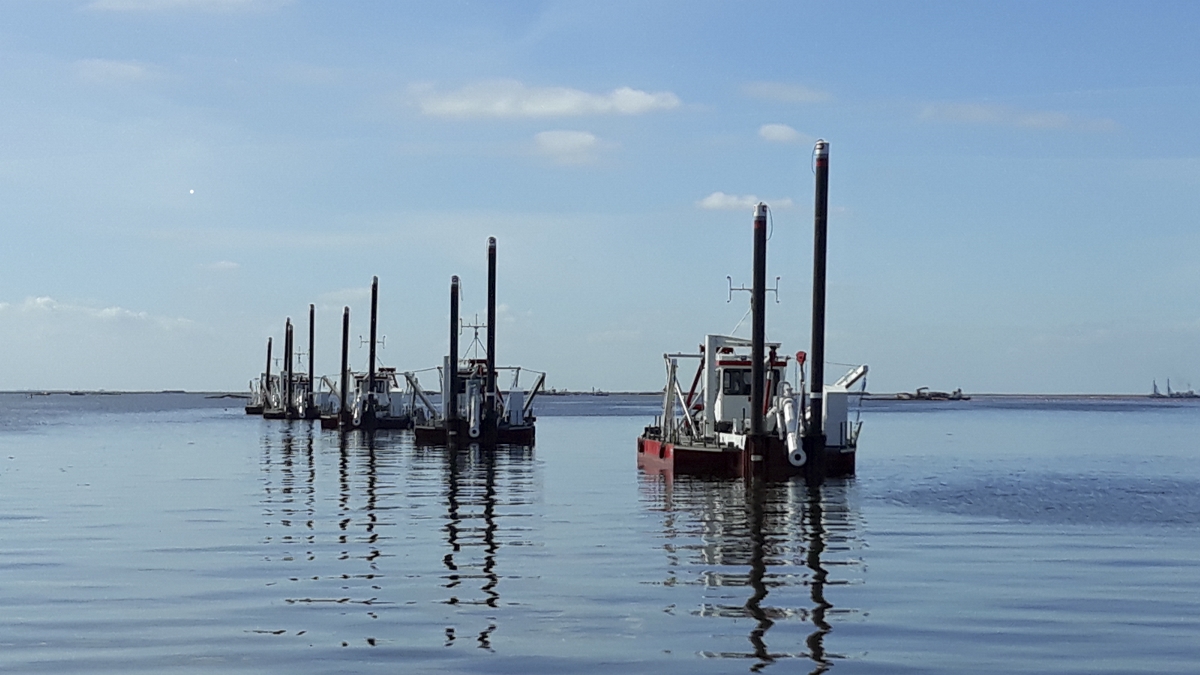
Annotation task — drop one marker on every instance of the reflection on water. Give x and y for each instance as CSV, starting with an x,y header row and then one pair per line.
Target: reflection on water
x,y
762,552
359,541
470,490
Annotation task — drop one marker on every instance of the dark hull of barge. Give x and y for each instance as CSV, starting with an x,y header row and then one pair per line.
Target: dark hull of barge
x,y
458,434
380,423
655,455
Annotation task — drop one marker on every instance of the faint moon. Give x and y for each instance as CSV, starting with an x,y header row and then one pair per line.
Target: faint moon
x,y
191,192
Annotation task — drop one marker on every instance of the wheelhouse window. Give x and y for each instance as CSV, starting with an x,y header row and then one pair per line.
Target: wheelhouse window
x,y
736,382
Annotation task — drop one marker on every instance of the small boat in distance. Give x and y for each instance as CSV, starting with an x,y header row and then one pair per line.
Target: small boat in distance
x,y
1180,394
924,394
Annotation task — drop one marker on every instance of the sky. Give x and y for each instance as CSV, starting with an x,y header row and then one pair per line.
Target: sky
x,y
1014,191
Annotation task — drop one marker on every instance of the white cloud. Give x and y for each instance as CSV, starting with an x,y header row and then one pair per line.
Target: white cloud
x,y
197,5
341,298
1000,115
509,98
47,307
785,93
108,71
722,201
567,147
780,133
56,345
222,266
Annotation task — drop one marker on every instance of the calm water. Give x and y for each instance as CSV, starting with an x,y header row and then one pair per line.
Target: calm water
x,y
170,533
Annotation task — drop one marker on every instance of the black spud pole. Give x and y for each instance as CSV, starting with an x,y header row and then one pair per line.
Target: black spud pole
x,y
312,373
758,321
369,413
451,402
344,411
490,404
815,439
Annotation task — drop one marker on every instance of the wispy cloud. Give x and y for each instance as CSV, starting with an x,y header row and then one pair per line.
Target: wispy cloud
x,y
781,133
567,147
113,72
510,98
1000,115
193,5
46,306
722,201
222,266
785,93
346,296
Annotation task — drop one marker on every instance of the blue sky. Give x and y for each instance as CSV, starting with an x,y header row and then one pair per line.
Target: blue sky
x,y
1013,193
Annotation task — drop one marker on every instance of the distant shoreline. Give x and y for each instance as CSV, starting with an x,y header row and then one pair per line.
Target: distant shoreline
x,y
870,396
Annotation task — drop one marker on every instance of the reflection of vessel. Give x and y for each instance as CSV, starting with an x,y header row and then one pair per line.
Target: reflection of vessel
x,y
776,544
337,541
365,524
473,407
740,417
472,528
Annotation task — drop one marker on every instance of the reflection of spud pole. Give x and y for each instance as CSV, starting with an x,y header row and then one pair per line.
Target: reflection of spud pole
x,y
815,525
814,468
756,496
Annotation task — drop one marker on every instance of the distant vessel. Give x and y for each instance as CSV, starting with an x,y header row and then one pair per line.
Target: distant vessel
x,y
473,407
1180,394
1154,392
280,402
925,394
370,400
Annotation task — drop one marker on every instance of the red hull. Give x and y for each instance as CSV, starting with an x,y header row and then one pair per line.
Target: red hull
x,y
657,456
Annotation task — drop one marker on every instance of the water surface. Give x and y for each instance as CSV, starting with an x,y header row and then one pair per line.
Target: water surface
x,y
171,533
